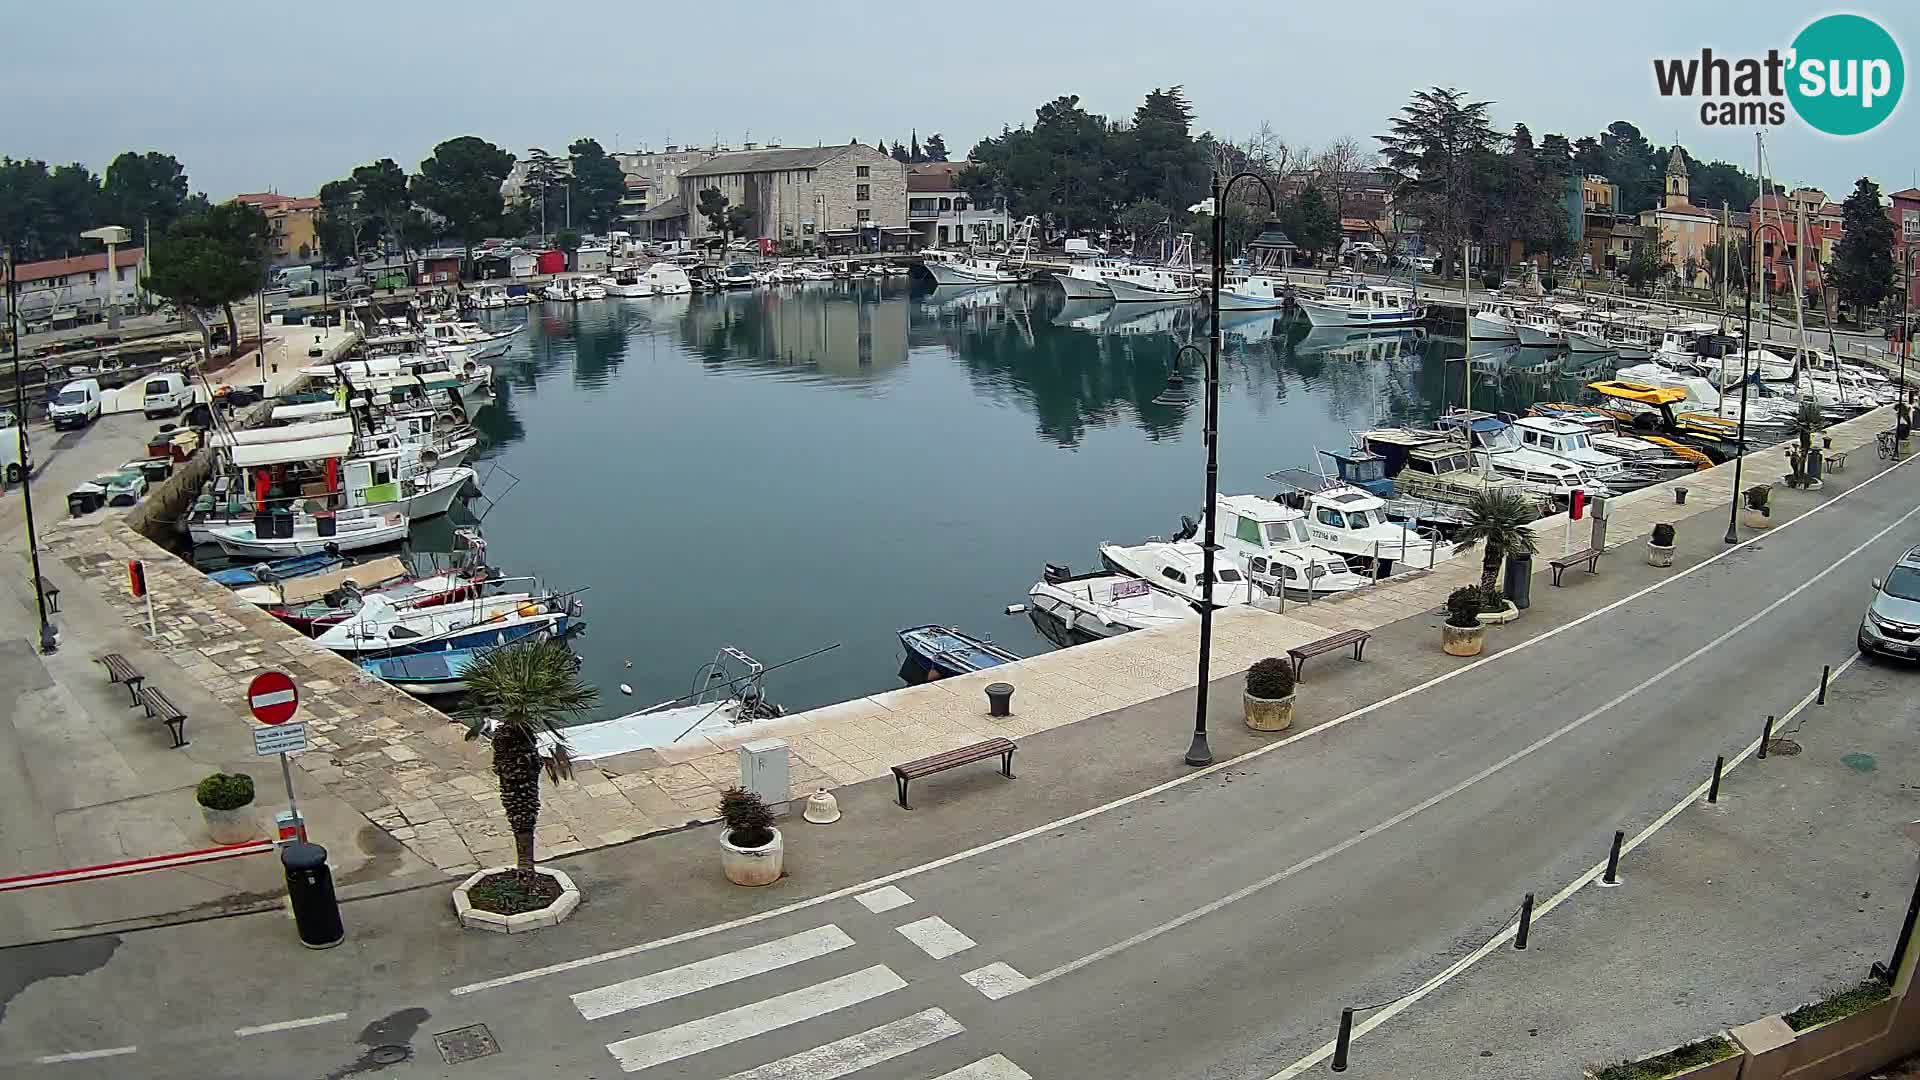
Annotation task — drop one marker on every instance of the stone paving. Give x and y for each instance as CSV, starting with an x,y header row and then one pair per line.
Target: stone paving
x,y
408,769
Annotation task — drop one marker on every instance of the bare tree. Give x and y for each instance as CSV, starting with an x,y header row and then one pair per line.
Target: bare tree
x,y
1263,153
1342,168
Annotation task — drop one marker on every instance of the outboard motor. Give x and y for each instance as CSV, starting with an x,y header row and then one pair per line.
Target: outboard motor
x,y
1189,529
1054,573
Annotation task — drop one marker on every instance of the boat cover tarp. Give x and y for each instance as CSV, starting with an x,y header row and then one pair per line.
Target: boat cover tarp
x,y
279,453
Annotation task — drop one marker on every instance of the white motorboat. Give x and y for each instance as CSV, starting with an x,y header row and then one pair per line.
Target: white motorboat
x,y
1360,304
1172,281
1633,341
1255,292
993,269
591,289
488,297
1073,609
1176,568
1588,336
1538,327
381,628
1493,320
667,279
1354,523
626,282
732,695
1499,455
1086,279
562,290
737,275
1574,442
479,342
1270,540
309,535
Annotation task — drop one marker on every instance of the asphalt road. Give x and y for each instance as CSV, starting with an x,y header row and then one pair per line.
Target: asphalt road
x,y
1212,928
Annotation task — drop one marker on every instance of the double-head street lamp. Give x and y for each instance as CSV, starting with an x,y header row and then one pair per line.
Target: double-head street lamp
x,y
1199,753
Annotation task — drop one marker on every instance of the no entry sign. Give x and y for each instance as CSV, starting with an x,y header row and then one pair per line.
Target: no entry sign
x,y
272,697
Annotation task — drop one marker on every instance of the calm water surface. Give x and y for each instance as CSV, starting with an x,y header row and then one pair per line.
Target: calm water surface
x,y
790,467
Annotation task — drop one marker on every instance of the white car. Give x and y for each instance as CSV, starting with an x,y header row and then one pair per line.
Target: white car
x,y
166,393
76,405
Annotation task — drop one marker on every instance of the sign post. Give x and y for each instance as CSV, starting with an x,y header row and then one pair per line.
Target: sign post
x,y
1576,509
274,699
137,584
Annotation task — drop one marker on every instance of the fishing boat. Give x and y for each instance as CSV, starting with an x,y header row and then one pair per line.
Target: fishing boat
x,y
424,674
303,534
309,587
480,343
1270,540
728,693
279,570
1493,320
1073,609
1360,304
380,629
627,282
1086,279
1178,568
997,268
1587,336
1539,327
939,652
409,591
1175,280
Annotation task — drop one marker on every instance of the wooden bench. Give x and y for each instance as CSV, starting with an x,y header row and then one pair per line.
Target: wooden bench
x,y
51,591
1355,638
159,708
953,759
1836,461
120,671
1590,556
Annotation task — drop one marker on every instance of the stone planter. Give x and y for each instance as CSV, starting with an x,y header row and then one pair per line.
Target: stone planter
x,y
1462,640
753,866
1659,556
1727,1068
236,826
1755,519
1505,615
1267,714
552,915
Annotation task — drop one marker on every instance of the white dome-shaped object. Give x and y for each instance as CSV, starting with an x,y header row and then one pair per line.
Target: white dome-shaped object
x,y
822,808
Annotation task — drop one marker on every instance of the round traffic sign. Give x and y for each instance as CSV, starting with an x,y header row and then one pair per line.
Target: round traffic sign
x,y
272,697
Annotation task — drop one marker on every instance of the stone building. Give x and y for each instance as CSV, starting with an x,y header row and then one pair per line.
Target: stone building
x,y
842,197
1688,230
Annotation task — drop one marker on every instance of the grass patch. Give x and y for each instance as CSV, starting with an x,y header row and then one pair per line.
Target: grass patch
x,y
1834,1006
513,892
1704,1052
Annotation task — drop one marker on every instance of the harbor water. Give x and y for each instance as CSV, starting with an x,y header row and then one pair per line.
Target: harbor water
x,y
785,468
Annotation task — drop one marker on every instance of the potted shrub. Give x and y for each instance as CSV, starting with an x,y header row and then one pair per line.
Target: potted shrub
x,y
1660,546
1495,608
1756,507
1462,634
226,801
751,851
1268,702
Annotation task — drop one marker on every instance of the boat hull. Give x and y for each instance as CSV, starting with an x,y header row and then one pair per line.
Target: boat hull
x,y
945,273
1127,292
306,540
1581,343
1485,329
1057,622
1080,288
1324,314
1535,336
1238,301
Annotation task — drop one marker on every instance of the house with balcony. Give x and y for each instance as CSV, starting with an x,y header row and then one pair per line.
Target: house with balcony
x,y
68,292
943,215
291,237
841,198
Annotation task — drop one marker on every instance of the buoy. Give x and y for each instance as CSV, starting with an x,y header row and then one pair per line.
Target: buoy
x,y
1016,609
629,663
822,808
625,689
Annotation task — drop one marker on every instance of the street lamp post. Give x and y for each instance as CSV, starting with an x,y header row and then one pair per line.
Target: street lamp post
x,y
1199,753
49,637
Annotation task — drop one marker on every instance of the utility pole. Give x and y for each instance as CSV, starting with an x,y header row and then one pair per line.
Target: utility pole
x,y
49,637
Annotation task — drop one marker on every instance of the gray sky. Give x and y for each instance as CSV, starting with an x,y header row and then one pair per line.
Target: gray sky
x,y
254,96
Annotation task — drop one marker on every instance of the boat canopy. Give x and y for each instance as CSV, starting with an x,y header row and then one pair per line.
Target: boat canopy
x,y
1640,393
280,453
308,410
317,429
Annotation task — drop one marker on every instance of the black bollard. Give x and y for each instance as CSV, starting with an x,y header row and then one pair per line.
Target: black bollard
x,y
1613,860
1826,672
1766,736
1526,922
999,699
316,912
1343,1040
1713,789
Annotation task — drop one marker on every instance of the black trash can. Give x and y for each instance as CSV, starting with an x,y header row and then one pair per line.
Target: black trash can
x,y
1518,583
263,525
323,522
283,523
999,699
316,913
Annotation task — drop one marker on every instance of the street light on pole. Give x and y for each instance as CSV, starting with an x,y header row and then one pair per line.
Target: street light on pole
x,y
1199,753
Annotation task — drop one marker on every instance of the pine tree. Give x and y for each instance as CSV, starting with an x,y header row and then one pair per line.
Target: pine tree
x,y
1863,262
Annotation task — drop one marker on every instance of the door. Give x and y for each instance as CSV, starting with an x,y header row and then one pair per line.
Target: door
x,y
359,479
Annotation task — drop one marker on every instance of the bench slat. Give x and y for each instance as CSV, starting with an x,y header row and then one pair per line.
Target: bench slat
x,y
963,755
1329,644
160,707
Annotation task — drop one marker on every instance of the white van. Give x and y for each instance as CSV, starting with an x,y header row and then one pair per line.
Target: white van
x,y
76,405
13,462
166,393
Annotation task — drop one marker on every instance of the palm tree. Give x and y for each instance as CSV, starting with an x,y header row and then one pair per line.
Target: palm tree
x,y
1497,518
515,694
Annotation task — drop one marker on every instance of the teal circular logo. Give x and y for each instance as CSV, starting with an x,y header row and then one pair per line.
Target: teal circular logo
x,y
1847,74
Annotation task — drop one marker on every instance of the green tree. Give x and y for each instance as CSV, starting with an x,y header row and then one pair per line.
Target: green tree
x,y
1863,260
145,192
1433,151
1158,154
341,220
461,183
382,186
1714,184
900,153
211,260
935,147
1649,260
598,185
1061,170
518,695
24,208
567,240
1727,255
1497,519
737,220
546,178
1310,222
712,205
1144,218
1637,170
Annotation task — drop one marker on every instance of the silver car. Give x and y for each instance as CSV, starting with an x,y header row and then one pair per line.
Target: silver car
x,y
1891,626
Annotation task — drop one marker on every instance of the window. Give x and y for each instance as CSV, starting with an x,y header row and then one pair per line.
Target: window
x,y
1245,528
960,205
1257,565
1358,520
946,204
1280,532
1330,517
862,170
862,192
1228,574
1173,575
864,215
1288,573
93,276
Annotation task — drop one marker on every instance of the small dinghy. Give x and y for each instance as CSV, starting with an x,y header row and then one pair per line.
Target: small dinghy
x,y
938,652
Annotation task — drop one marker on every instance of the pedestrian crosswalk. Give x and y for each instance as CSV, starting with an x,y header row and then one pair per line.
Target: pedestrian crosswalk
x,y
899,1047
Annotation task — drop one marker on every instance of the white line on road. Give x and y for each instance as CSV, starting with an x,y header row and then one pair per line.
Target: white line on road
x,y
1182,780
1540,911
843,1057
886,899
706,974
996,1067
709,1032
289,1025
936,937
996,980
84,1055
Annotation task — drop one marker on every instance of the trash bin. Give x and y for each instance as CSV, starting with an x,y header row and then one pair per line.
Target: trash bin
x,y
263,524
1518,583
283,523
323,523
316,913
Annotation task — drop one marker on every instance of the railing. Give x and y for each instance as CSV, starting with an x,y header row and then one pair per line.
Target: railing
x,y
918,214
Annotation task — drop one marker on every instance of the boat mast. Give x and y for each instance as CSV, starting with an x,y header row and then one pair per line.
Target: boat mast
x,y
1726,245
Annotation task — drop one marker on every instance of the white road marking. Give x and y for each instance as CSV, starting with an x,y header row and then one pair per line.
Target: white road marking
x,y
936,937
886,899
289,1025
843,1057
1185,778
996,980
1434,800
84,1055
715,971
709,1032
996,1067
1589,877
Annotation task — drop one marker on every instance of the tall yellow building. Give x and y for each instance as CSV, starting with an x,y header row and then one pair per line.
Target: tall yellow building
x,y
1688,231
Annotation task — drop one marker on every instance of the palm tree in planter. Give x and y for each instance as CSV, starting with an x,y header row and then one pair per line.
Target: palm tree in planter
x,y
1808,420
1496,518
515,695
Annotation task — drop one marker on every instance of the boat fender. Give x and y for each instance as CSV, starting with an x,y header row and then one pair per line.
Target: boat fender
x,y
625,689
529,610
1016,609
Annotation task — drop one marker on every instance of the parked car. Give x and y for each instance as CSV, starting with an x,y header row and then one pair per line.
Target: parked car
x,y
1891,626
166,393
16,458
76,405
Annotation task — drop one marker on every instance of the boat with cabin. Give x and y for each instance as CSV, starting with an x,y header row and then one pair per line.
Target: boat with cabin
x,y
1494,319
1177,567
1354,523
1073,609
995,268
1270,540
1361,304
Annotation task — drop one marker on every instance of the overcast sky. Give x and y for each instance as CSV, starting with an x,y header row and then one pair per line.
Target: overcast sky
x,y
256,96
